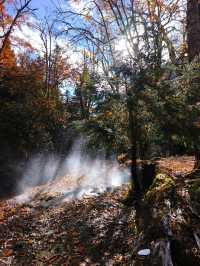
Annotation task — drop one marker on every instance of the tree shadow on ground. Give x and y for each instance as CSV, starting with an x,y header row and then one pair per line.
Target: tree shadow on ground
x,y
109,238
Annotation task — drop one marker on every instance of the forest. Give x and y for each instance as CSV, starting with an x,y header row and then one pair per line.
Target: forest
x,y
100,132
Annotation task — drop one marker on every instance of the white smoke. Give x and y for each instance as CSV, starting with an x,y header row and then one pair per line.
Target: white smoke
x,y
75,176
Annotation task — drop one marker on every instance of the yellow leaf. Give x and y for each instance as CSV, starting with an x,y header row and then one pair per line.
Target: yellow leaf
x,y
88,17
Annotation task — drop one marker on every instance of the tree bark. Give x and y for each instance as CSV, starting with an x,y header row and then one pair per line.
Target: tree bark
x,y
193,39
197,160
193,28
133,140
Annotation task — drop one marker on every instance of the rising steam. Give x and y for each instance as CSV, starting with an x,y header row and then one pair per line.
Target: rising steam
x,y
74,176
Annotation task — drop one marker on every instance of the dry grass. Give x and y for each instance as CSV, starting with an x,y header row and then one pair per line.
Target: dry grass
x,y
177,164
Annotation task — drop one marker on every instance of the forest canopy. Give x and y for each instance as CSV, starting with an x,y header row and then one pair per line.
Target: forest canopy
x,y
124,74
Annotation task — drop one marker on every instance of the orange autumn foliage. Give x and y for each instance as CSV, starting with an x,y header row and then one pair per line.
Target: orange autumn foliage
x,y
8,59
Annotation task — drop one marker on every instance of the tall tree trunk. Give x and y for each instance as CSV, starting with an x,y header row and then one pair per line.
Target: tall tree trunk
x,y
134,172
133,140
193,39
193,28
197,160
